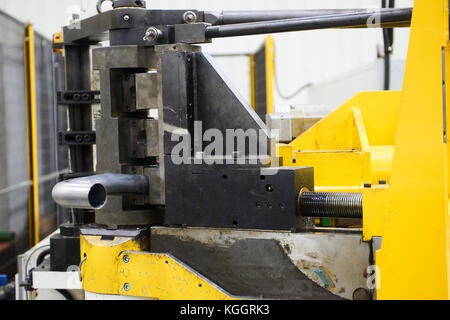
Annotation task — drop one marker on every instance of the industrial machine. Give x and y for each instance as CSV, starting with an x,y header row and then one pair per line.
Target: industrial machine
x,y
191,196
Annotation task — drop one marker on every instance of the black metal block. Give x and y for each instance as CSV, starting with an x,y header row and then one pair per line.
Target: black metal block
x,y
77,138
231,196
65,248
78,97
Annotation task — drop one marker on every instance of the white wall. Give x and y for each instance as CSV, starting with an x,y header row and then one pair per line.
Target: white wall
x,y
301,57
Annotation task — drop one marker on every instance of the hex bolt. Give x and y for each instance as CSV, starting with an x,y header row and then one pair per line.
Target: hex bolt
x,y
126,17
76,97
152,34
126,287
126,259
86,96
190,17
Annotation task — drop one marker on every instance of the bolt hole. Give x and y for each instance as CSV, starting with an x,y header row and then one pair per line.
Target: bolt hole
x,y
225,177
294,160
167,262
200,285
235,223
262,178
269,206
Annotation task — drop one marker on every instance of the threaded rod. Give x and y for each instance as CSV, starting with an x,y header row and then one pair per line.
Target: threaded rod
x,y
331,205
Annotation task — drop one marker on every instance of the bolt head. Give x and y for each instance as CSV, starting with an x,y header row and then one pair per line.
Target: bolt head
x,y
190,17
126,287
152,34
126,259
126,17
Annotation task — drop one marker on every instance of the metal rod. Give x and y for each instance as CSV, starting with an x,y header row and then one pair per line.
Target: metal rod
x,y
91,192
331,205
384,18
234,17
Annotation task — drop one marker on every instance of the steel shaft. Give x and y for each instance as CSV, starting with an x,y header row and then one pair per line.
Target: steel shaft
x,y
235,17
387,18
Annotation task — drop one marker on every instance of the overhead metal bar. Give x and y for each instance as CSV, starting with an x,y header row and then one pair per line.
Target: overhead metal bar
x,y
235,17
384,18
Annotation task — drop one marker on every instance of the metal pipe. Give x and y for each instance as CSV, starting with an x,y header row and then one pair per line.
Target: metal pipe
x,y
92,192
385,18
330,205
234,17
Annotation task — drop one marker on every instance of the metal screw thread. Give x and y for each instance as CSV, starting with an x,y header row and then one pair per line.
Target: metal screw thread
x,y
331,205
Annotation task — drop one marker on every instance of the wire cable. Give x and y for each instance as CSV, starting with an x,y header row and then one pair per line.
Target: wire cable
x,y
278,87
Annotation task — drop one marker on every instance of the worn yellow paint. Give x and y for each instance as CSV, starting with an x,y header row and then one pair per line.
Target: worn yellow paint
x,y
413,214
162,277
270,73
99,270
31,106
351,146
252,81
149,275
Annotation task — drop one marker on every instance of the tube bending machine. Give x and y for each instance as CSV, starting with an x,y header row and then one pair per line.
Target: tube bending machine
x,y
242,224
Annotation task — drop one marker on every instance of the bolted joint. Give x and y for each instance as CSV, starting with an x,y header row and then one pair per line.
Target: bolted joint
x,y
190,17
152,34
330,205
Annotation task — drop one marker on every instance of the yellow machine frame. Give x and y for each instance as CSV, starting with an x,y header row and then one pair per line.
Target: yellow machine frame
x,y
399,138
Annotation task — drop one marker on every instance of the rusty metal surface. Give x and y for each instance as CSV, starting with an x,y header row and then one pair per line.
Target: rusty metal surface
x,y
274,265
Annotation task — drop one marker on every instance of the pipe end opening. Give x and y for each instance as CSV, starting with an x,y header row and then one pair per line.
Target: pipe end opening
x,y
97,196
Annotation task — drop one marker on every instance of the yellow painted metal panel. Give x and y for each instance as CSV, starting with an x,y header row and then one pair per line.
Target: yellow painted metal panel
x,y
414,256
252,81
270,73
162,277
375,202
336,169
99,270
30,85
340,147
379,111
